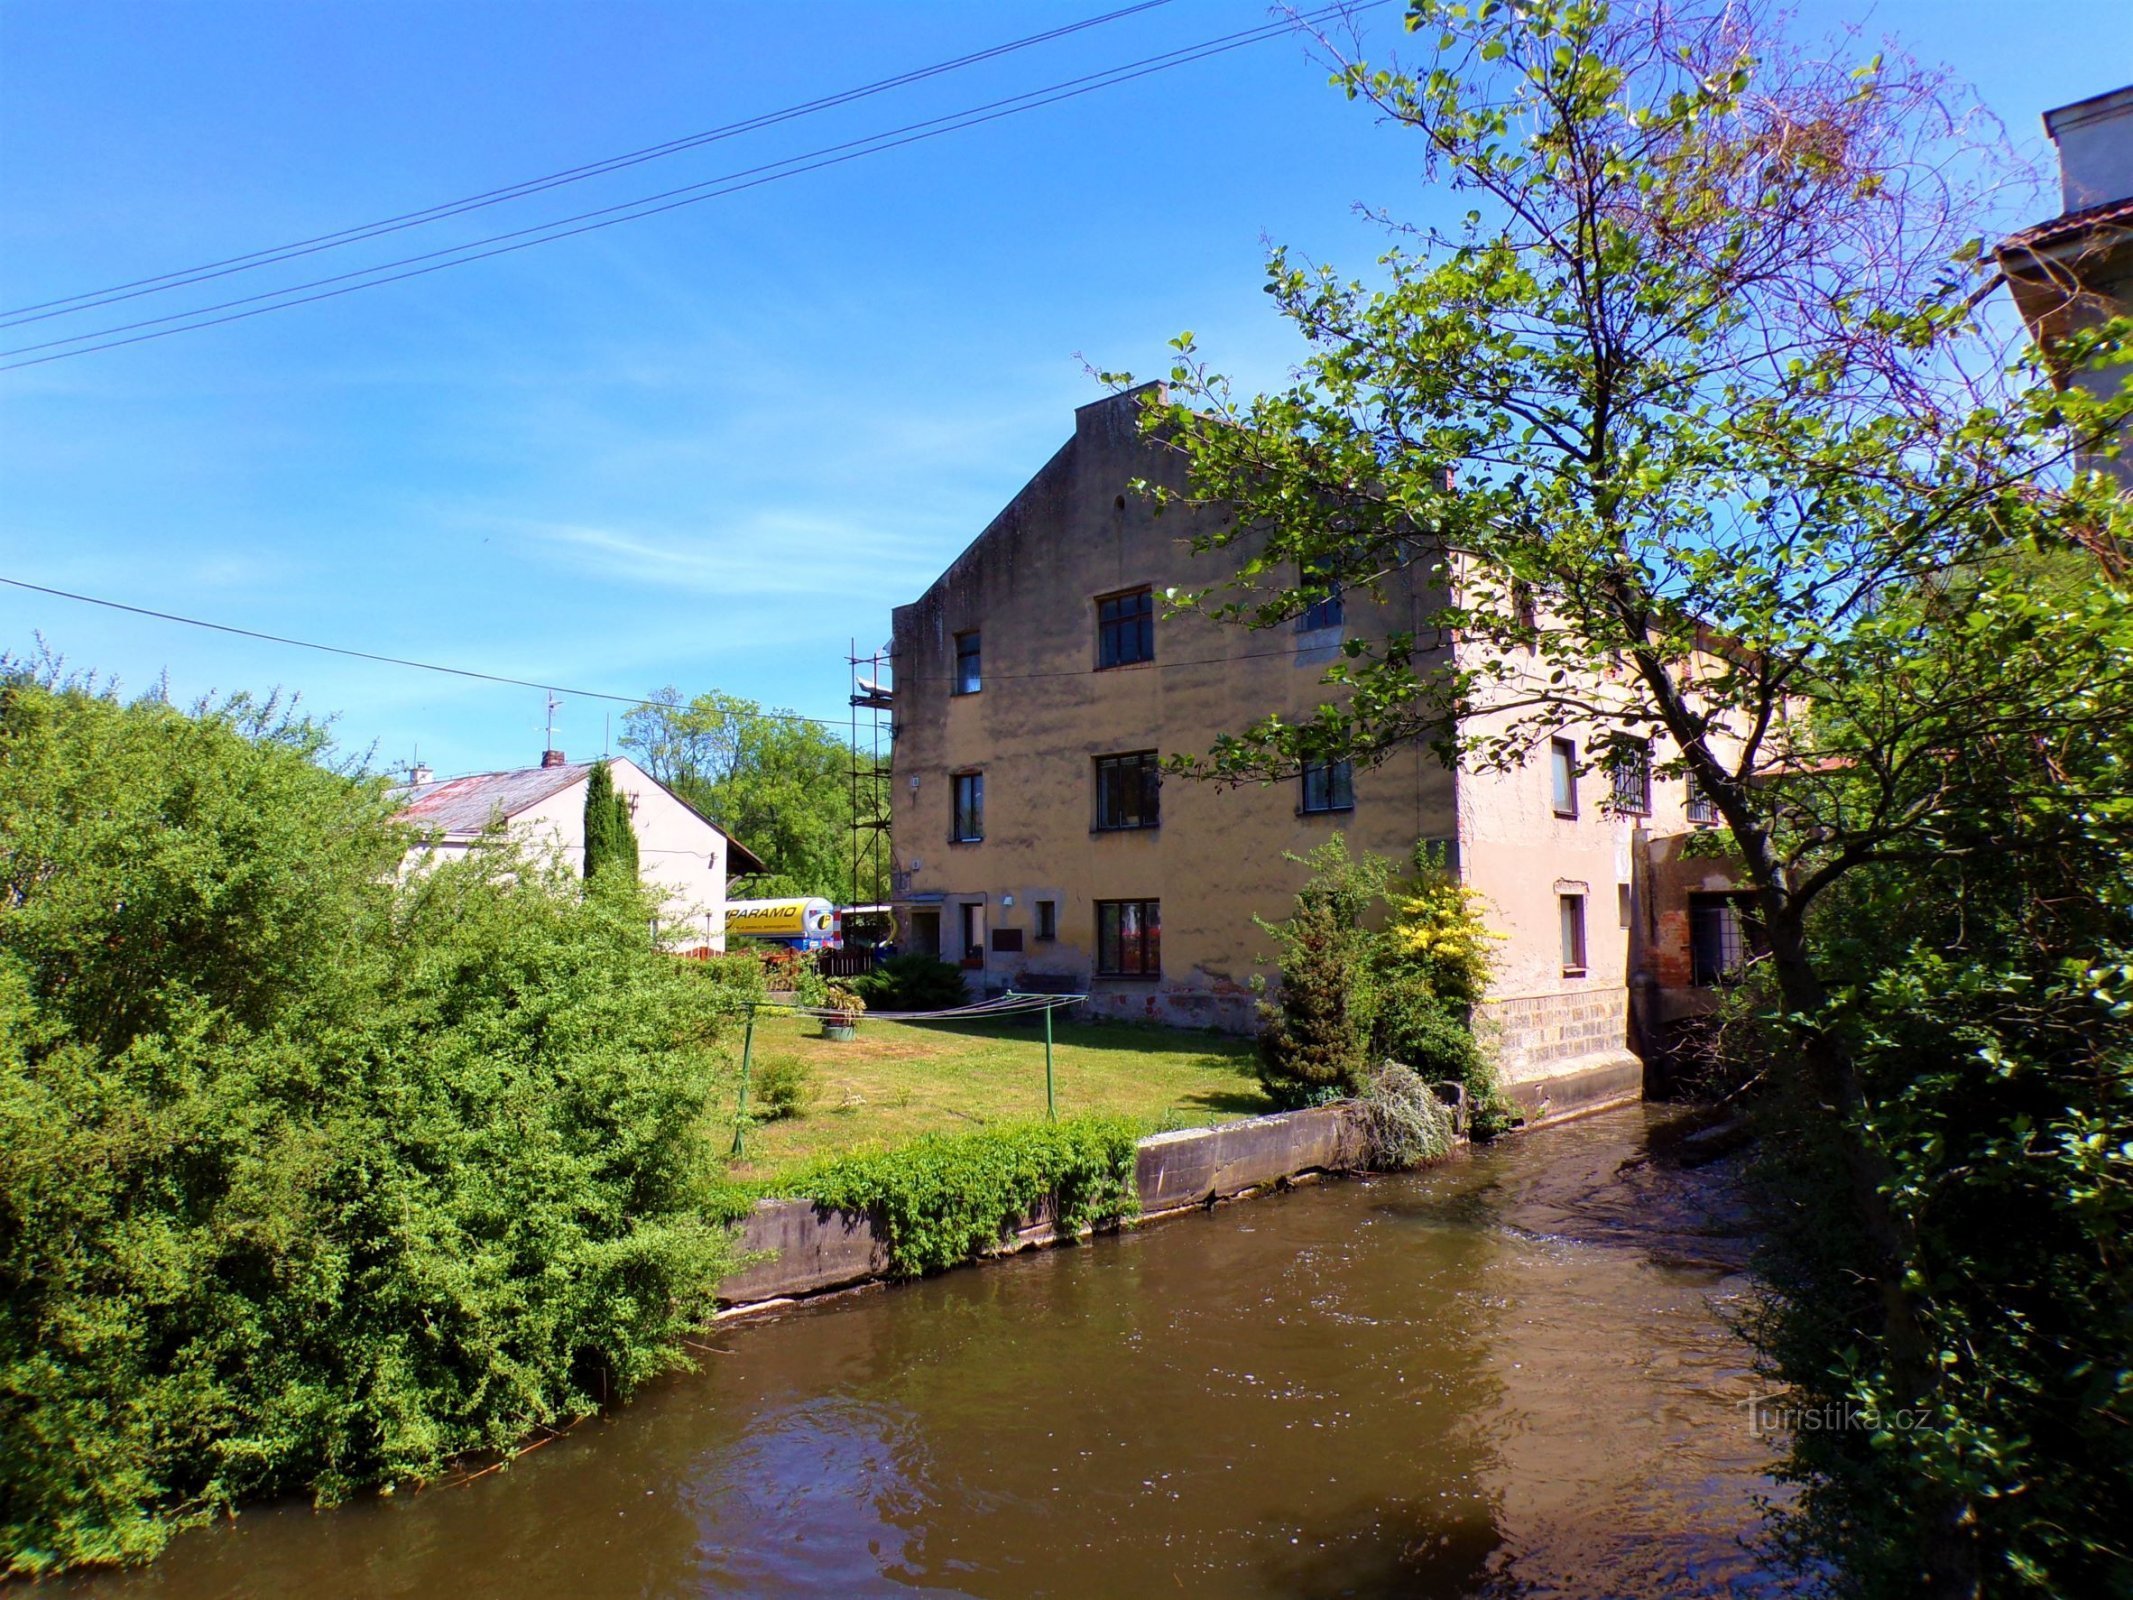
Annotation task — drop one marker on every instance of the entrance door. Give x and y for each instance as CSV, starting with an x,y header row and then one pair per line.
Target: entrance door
x,y
926,933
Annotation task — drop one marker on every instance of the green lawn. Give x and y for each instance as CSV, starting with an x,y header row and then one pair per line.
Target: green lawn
x,y
900,1079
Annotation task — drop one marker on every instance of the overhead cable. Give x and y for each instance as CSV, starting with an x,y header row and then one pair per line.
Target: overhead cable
x,y
122,334
370,655
91,298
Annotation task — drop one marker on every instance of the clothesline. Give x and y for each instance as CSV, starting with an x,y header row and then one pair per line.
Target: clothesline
x,y
1010,1004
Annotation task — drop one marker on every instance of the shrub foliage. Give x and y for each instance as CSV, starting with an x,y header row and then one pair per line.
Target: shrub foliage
x,y
309,1178
913,982
946,1198
1377,966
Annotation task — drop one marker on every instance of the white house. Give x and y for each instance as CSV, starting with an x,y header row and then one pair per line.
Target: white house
x,y
679,849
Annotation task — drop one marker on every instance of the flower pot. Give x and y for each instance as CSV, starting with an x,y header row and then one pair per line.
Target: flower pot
x,y
842,1029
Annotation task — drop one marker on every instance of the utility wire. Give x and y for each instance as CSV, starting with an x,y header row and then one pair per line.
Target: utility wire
x,y
91,298
368,655
670,200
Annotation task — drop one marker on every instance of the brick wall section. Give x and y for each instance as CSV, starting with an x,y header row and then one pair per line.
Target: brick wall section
x,y
1536,1036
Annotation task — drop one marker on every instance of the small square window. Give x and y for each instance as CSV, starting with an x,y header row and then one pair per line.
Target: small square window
x,y
1047,920
1328,786
1571,909
968,678
969,807
1701,808
1125,629
1563,776
1128,791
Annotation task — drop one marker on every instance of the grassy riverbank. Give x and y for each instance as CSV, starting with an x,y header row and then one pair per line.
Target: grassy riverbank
x,y
898,1080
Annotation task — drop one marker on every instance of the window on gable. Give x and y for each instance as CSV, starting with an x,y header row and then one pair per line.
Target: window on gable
x,y
1632,770
1125,629
967,676
1563,776
1129,938
969,807
1328,610
1328,786
1127,791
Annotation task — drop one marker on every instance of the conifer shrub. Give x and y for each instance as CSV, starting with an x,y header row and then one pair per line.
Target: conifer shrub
x,y
1377,966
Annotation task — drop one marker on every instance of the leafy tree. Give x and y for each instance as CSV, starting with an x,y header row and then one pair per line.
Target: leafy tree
x,y
776,781
1678,426
310,1177
610,840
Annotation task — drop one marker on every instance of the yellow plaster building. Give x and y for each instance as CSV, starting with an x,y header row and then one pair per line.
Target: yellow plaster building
x,y
1037,685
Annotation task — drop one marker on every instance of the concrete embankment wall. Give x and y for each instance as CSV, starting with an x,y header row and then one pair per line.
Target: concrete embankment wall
x,y
810,1248
816,1248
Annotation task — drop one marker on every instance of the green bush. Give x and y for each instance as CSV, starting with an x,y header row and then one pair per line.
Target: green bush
x,y
784,1087
309,1179
1360,987
912,982
945,1198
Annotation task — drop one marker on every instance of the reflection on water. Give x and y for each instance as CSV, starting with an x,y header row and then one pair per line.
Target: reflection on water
x,y
1506,1377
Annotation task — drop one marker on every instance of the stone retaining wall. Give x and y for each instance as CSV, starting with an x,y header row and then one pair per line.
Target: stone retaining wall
x,y
811,1248
816,1248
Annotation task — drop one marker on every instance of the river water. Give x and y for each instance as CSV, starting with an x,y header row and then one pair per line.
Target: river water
x,y
1507,1376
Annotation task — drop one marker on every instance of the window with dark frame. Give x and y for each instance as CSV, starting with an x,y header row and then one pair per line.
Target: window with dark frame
x,y
1700,807
1127,791
1632,768
1725,935
1047,920
1563,776
1129,939
1328,786
969,807
973,936
1571,909
1125,629
1328,610
968,675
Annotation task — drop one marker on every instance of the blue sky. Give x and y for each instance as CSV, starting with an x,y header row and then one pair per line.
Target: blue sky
x,y
706,449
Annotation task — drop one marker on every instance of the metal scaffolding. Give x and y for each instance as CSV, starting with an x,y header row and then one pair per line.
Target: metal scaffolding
x,y
870,773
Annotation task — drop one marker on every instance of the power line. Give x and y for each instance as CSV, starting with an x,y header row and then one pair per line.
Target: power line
x,y
91,298
368,655
669,200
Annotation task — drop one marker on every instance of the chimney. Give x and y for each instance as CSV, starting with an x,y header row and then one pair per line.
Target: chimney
x,y
2095,140
418,775
554,758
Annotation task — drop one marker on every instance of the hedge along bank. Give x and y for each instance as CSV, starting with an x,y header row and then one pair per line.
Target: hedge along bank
x,y
951,1198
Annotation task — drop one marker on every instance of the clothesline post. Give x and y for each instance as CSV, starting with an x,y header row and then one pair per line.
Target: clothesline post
x,y
1051,1101
740,1120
